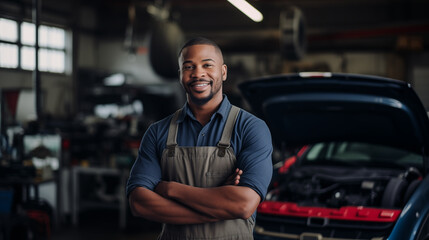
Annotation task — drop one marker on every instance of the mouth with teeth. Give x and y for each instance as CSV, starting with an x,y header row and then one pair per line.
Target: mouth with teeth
x,y
199,86
200,91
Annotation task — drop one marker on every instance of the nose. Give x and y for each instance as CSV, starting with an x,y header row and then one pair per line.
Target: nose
x,y
198,72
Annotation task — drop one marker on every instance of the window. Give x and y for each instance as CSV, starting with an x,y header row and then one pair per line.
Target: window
x,y
9,30
17,46
8,55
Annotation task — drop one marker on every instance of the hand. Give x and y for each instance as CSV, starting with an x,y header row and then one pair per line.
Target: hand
x,y
234,179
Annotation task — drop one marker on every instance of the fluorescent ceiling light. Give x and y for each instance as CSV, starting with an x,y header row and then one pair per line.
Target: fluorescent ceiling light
x,y
247,9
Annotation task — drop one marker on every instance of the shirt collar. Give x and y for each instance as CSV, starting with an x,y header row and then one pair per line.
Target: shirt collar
x,y
223,110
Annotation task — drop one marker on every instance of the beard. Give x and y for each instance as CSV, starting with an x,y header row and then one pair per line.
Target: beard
x,y
201,101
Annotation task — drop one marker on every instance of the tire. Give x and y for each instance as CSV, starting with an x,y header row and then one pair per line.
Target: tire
x,y
293,39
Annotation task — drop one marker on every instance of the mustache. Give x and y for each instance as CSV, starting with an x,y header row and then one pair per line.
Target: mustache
x,y
199,81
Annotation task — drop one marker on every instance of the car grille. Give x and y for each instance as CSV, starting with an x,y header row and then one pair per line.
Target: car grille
x,y
283,227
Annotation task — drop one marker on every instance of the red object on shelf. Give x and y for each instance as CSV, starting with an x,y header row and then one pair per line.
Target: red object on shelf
x,y
43,219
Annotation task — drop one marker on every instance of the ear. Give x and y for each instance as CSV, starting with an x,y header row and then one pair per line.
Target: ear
x,y
224,72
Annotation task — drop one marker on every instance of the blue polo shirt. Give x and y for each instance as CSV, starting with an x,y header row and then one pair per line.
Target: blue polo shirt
x,y
251,142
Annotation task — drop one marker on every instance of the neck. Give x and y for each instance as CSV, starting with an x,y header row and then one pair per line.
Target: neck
x,y
204,112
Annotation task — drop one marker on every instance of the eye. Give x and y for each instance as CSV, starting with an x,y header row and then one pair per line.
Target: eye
x,y
187,67
208,65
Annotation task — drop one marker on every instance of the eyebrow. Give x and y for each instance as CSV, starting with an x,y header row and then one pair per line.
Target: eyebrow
x,y
208,60
204,60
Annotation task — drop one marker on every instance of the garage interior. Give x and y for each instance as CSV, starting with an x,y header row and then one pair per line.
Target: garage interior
x,y
71,128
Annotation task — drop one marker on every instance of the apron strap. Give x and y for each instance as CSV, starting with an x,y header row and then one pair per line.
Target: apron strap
x,y
172,134
225,141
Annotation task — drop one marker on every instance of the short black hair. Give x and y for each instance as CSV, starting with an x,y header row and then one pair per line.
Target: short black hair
x,y
200,41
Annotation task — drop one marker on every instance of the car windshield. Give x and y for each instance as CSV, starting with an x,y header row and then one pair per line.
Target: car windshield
x,y
362,154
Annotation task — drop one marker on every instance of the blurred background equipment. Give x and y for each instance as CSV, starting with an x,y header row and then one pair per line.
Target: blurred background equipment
x,y
293,38
165,42
81,81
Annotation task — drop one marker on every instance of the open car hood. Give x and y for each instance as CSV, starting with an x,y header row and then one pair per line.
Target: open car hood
x,y
303,109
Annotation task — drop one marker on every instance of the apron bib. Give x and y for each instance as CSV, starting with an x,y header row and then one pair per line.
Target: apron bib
x,y
206,166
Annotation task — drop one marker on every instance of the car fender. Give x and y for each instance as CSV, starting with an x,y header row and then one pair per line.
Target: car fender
x,y
413,214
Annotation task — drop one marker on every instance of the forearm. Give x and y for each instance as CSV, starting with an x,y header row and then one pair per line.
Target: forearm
x,y
148,204
225,202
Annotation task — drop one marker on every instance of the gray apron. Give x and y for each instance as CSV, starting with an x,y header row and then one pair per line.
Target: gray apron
x,y
206,166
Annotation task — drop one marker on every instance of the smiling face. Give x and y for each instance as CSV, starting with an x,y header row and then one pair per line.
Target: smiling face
x,y
202,73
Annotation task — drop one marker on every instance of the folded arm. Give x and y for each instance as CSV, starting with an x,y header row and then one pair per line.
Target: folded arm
x,y
224,202
148,204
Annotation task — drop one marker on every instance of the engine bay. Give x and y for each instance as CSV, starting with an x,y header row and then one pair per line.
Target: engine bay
x,y
335,187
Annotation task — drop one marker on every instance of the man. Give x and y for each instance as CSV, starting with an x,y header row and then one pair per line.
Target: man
x,y
203,170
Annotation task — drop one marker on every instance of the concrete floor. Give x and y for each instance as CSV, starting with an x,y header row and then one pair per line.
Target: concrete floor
x,y
105,225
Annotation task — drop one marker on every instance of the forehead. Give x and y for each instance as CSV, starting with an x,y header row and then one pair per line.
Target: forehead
x,y
200,52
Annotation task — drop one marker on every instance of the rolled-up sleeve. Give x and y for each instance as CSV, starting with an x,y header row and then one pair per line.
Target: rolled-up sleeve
x,y
146,171
255,156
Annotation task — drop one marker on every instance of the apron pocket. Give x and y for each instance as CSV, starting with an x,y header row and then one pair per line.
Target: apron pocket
x,y
215,179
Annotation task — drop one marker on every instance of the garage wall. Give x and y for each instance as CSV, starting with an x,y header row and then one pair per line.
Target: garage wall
x,y
57,89
57,97
421,84
420,76
87,51
86,42
96,52
379,64
110,55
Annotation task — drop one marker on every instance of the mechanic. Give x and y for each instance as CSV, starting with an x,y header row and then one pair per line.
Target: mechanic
x,y
202,171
